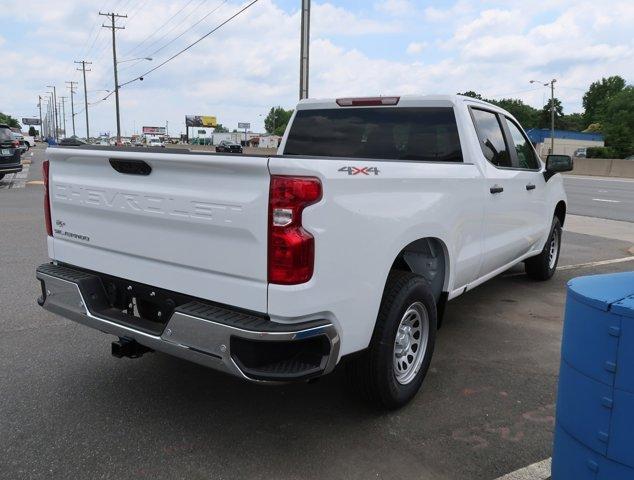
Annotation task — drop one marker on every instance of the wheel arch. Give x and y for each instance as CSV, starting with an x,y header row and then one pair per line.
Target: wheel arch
x,y
560,212
429,258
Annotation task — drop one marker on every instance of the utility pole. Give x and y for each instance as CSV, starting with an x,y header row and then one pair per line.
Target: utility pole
x,y
56,122
83,69
114,28
303,55
63,99
71,86
39,105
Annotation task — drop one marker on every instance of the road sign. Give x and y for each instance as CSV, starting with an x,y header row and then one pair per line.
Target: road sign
x,y
30,121
245,125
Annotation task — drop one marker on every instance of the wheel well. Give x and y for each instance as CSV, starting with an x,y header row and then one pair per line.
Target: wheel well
x,y
427,257
560,212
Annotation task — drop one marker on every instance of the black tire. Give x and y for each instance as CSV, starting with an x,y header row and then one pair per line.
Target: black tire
x,y
373,373
543,266
1,176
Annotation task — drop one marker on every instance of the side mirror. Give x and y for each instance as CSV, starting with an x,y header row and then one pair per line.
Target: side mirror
x,y
556,164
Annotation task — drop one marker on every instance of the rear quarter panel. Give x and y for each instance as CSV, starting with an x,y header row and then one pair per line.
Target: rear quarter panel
x,y
364,221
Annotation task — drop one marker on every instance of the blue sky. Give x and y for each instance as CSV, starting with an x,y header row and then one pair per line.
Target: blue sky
x,y
357,48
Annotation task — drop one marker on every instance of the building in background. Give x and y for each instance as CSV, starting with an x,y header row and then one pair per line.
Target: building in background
x,y
566,141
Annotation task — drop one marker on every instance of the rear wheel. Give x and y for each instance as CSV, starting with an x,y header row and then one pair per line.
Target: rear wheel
x,y
391,371
544,265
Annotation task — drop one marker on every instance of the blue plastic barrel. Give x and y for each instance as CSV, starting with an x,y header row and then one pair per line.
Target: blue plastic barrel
x,y
594,429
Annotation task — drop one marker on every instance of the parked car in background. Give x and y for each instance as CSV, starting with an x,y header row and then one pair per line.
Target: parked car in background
x,y
9,152
228,147
580,152
155,142
28,139
138,142
23,145
72,142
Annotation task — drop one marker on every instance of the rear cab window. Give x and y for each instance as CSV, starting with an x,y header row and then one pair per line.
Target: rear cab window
x,y
5,134
491,137
385,133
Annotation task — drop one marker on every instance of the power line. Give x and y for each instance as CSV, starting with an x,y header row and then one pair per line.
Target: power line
x,y
178,36
129,52
190,28
253,2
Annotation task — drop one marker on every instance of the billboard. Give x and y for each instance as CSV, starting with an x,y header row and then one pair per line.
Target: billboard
x,y
153,130
30,121
200,121
244,125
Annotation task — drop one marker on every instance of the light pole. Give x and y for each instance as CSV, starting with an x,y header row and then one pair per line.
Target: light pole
x,y
39,105
303,50
552,111
55,124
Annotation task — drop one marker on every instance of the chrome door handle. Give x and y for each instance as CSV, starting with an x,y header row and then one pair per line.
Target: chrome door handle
x,y
496,189
530,186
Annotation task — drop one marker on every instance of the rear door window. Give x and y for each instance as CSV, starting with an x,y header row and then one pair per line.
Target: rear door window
x,y
422,134
491,137
5,134
526,156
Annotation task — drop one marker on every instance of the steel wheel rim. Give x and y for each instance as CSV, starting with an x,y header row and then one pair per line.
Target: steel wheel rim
x,y
410,343
553,250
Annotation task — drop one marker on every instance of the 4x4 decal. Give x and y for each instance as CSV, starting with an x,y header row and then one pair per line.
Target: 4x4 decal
x,y
360,170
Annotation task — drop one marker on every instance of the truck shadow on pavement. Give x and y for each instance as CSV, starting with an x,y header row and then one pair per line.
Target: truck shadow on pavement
x,y
489,395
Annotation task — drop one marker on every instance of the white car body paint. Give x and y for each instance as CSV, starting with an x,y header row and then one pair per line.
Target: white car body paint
x,y
198,224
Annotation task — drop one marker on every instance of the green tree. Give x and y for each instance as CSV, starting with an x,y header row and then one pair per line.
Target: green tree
x,y
544,115
9,120
597,96
573,121
618,122
472,94
525,114
32,131
220,129
276,121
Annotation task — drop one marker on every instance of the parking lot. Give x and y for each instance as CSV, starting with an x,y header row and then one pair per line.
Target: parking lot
x,y
69,409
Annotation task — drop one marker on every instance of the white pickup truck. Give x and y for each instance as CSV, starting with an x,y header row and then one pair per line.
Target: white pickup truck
x,y
344,246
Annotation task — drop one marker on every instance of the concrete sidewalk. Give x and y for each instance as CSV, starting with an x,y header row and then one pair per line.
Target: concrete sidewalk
x,y
601,227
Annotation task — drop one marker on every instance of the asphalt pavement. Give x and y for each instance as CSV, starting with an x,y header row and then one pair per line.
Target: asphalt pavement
x,y
611,198
68,409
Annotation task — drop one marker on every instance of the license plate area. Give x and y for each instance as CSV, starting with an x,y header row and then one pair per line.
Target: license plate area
x,y
6,152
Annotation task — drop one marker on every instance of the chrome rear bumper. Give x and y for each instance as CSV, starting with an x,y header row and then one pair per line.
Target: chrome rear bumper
x,y
199,332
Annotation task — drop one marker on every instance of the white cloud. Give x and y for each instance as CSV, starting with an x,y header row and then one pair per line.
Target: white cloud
x,y
395,7
252,63
416,47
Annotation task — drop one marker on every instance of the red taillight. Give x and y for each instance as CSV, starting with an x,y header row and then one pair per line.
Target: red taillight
x,y
291,248
15,143
47,203
367,101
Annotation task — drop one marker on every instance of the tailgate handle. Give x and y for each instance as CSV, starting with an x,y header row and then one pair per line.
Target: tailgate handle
x,y
131,167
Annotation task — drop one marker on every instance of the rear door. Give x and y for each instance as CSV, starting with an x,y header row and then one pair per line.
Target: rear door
x,y
532,186
195,223
507,218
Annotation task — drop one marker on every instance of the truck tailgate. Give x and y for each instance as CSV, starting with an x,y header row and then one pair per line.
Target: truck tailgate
x,y
196,224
